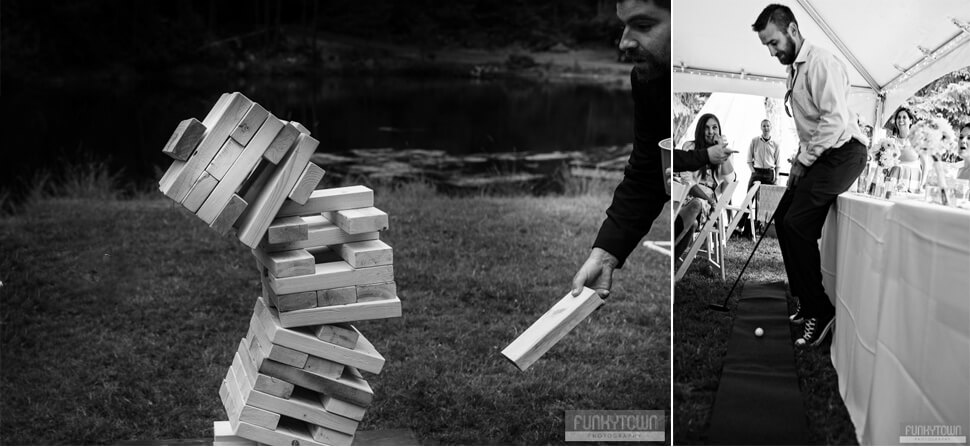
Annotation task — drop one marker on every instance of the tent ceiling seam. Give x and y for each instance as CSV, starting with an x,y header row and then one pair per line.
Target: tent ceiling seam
x,y
830,33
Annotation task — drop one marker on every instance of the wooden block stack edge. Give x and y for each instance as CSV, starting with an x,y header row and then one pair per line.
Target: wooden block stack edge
x,y
296,376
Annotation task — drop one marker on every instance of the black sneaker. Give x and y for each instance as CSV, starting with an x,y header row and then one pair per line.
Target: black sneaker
x,y
797,317
816,328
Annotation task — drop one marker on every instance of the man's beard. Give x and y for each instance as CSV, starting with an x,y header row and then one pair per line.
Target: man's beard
x,y
648,65
787,56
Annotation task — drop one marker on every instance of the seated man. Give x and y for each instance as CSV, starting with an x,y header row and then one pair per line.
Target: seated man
x,y
706,184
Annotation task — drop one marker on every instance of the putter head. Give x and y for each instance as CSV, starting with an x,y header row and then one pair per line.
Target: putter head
x,y
717,307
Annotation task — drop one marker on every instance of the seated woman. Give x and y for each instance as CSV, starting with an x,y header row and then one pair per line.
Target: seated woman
x,y
706,184
910,169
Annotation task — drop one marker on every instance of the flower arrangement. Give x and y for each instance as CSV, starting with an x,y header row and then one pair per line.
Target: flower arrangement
x,y
932,137
886,154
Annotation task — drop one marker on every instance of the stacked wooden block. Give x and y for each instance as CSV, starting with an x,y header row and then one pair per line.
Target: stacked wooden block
x,y
296,378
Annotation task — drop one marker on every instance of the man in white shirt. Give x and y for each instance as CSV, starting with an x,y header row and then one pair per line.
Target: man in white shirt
x,y
831,155
764,162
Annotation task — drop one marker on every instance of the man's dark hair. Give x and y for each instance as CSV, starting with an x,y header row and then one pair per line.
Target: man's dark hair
x,y
780,15
665,4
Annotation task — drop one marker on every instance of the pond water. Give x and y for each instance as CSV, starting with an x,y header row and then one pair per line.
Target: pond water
x,y
129,124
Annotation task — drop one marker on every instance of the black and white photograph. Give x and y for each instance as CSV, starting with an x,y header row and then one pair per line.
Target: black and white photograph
x,y
821,222
330,222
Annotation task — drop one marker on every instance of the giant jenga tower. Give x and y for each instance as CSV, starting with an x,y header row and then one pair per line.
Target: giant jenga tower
x,y
296,377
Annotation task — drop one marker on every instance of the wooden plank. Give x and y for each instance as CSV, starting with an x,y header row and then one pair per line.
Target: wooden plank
x,y
210,119
345,409
261,213
362,356
184,140
300,127
222,434
256,180
334,297
224,159
358,220
303,405
283,264
273,351
551,327
308,182
281,146
349,387
263,383
179,187
324,367
372,310
259,417
328,436
320,232
229,401
366,253
229,214
200,191
341,334
288,432
376,292
296,301
247,128
330,199
331,275
240,171
287,229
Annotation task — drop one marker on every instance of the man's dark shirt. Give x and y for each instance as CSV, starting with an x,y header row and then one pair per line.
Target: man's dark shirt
x,y
641,196
690,160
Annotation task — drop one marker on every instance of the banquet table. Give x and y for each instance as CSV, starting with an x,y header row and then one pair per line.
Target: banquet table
x,y
898,274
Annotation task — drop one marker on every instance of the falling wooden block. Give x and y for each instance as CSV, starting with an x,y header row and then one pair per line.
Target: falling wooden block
x,y
273,386
249,125
372,310
320,232
246,355
308,182
376,292
332,275
223,435
366,253
363,356
300,127
324,367
358,220
348,387
184,140
224,159
260,214
178,186
253,186
259,417
282,144
241,170
345,409
229,214
270,350
297,301
551,327
328,436
289,432
287,229
340,334
333,297
176,168
283,264
330,199
200,191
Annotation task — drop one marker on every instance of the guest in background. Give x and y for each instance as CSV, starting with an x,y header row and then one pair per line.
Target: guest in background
x,y
910,169
765,162
707,182
964,171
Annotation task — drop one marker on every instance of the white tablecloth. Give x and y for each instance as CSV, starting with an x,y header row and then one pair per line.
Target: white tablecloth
x,y
899,277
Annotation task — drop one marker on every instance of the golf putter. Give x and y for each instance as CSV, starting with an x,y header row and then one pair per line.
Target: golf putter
x,y
722,307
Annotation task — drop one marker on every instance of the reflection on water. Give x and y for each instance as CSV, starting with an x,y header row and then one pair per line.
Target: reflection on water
x,y
131,124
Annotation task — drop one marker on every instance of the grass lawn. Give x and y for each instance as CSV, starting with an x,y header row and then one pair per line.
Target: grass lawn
x,y
700,343
119,319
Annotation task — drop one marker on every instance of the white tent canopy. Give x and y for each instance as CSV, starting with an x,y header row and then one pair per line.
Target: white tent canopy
x,y
891,48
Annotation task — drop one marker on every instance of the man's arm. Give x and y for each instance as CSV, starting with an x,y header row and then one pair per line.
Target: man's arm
x,y
691,160
829,85
751,147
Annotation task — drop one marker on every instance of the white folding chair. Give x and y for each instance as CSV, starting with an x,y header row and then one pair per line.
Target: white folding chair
x,y
746,207
710,240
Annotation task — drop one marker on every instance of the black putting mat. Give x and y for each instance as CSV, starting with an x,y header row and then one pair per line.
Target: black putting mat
x,y
758,401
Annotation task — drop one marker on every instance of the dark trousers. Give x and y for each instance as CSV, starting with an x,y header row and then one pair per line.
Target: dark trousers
x,y
766,177
799,218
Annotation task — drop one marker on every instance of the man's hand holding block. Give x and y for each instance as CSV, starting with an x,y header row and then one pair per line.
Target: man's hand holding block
x,y
551,327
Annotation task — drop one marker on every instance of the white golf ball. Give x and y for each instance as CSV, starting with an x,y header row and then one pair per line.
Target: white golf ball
x,y
759,332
